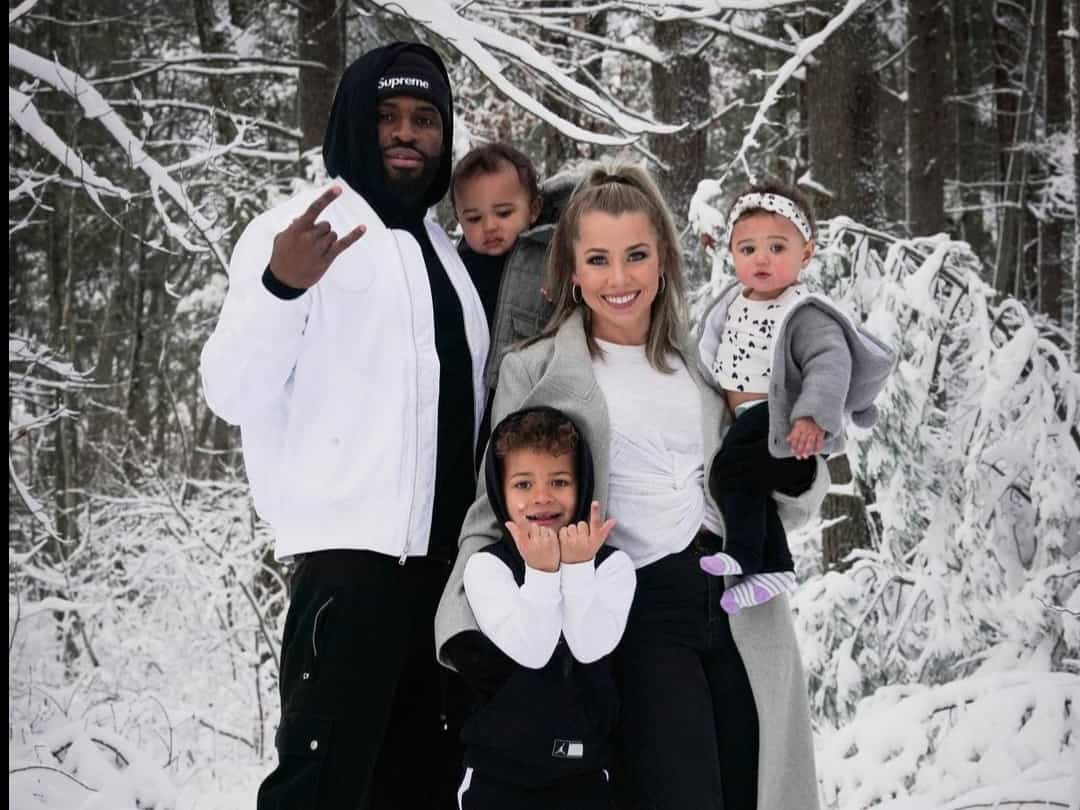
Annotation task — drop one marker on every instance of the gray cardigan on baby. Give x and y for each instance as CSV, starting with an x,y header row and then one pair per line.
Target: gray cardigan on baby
x,y
823,366
557,371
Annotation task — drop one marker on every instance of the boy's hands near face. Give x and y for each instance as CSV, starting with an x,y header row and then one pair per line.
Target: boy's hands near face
x,y
807,438
580,541
539,546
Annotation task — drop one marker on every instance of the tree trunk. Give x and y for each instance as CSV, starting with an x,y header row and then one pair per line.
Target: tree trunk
x,y
319,40
841,539
892,138
212,40
1072,70
927,69
804,132
597,25
680,94
976,167
557,147
1014,69
161,312
113,324
781,163
61,338
137,406
843,102
1055,104
559,150
1027,281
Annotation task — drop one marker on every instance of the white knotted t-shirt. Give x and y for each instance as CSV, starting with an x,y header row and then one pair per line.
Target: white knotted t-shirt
x,y
656,485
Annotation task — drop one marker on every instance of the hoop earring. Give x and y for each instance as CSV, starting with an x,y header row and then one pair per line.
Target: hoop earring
x,y
663,284
575,293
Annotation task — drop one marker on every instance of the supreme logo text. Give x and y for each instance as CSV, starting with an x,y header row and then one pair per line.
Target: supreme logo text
x,y
394,82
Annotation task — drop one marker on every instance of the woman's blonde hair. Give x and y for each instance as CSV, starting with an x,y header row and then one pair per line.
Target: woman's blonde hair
x,y
617,189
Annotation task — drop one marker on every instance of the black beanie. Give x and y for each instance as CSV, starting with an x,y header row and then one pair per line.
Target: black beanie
x,y
412,74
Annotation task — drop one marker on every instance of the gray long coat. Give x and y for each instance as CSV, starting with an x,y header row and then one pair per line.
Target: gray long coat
x,y
558,372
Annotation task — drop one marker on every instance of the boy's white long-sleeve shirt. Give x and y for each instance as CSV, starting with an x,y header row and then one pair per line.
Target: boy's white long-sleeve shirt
x,y
588,604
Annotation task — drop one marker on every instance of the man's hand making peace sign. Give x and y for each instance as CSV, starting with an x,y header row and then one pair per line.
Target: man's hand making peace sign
x,y
304,251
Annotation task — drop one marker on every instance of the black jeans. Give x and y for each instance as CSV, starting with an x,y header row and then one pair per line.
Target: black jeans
x,y
689,729
754,534
370,721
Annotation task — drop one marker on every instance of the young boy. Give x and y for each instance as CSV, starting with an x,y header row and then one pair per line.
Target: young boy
x,y
551,602
791,365
506,222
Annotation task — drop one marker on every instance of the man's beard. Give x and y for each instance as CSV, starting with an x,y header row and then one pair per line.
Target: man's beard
x,y
411,187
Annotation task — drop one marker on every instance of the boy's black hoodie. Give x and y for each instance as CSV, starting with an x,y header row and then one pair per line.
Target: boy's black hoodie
x,y
534,727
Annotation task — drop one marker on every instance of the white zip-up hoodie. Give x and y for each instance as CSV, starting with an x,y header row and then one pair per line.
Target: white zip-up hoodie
x,y
336,392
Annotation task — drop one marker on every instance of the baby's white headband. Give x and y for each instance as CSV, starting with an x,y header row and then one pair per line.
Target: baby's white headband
x,y
773,203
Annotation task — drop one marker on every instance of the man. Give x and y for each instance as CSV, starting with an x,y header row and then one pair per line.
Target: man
x,y
350,350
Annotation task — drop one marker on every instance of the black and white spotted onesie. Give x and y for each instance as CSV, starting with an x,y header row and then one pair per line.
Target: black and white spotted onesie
x,y
743,359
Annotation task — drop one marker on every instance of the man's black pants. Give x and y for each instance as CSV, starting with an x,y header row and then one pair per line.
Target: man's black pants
x,y
365,705
689,730
754,534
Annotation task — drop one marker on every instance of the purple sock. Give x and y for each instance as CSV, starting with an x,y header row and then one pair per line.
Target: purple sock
x,y
756,589
720,565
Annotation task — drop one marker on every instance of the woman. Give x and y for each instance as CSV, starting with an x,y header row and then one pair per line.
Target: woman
x,y
714,710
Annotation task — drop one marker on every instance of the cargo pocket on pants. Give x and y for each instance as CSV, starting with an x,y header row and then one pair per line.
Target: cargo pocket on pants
x,y
303,743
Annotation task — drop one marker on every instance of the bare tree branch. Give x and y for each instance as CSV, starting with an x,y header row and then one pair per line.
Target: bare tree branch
x,y
54,770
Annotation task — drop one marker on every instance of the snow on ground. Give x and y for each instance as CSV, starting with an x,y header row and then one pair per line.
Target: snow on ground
x,y
1000,739
1002,736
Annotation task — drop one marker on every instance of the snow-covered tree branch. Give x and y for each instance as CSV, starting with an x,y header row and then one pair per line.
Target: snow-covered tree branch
x,y
97,108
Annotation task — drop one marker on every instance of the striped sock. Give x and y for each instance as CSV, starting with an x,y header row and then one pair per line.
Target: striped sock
x,y
756,589
720,565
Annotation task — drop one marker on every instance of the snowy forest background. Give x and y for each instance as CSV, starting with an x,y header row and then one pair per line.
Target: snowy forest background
x,y
939,609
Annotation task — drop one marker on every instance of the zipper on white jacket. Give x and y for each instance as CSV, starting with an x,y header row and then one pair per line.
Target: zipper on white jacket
x,y
412,329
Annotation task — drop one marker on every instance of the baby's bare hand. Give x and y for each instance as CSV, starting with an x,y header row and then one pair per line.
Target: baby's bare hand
x,y
806,438
580,541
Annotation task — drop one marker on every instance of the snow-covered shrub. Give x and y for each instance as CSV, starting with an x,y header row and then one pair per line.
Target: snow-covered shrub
x,y
972,479
939,742
176,612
